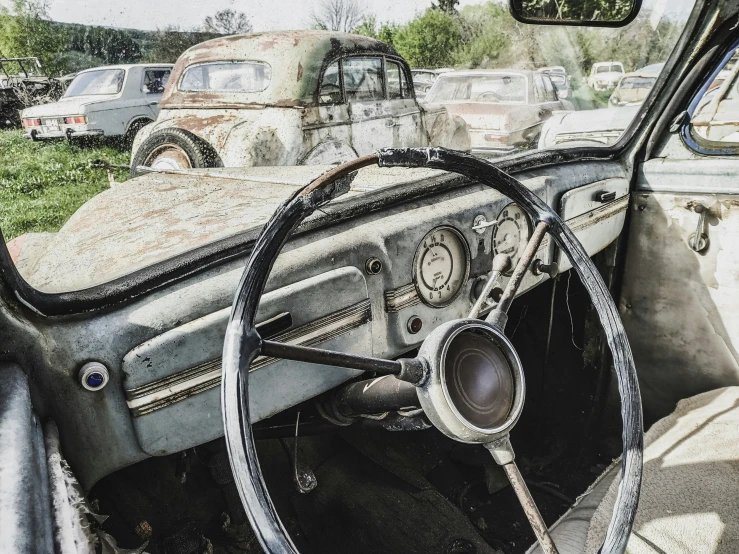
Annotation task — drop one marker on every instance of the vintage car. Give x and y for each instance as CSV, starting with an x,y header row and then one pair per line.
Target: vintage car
x,y
288,98
605,75
504,109
110,101
418,351
634,87
423,80
560,80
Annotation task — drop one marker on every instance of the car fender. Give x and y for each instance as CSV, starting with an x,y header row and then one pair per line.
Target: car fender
x,y
274,137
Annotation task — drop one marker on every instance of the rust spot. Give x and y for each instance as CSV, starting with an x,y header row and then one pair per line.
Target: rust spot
x,y
15,246
300,71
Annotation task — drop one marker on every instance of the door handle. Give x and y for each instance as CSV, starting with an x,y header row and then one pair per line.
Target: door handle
x,y
698,241
390,123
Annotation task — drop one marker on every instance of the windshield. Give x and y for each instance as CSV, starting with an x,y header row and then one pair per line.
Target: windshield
x,y
637,82
277,91
107,81
227,76
479,88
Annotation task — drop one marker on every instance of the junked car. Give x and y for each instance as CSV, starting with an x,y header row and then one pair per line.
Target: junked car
x,y
423,80
634,87
286,98
110,101
504,109
605,75
560,80
23,83
418,351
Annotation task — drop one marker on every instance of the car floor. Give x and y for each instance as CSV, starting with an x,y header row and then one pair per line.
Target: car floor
x,y
382,491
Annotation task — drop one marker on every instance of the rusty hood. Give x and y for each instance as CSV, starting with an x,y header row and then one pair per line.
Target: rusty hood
x,y
155,217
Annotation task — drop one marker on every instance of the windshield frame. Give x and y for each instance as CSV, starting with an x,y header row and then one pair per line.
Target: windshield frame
x,y
121,88
653,118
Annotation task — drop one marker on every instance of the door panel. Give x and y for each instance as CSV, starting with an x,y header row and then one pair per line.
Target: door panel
x,y
681,307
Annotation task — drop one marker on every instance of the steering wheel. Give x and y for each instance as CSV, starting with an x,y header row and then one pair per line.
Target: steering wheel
x,y
469,379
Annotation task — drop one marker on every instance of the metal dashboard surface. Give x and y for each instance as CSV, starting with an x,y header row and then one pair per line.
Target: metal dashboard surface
x,y
172,382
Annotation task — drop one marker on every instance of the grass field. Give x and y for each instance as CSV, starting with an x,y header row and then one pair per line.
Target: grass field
x,y
42,184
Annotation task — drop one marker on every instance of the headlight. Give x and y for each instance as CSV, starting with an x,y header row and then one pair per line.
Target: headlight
x,y
614,100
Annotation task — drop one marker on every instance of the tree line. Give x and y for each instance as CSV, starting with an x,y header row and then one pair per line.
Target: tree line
x,y
478,36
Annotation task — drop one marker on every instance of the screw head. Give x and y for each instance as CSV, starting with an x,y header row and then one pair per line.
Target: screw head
x,y
373,266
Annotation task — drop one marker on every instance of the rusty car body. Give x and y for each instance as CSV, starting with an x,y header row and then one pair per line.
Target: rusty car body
x,y
109,101
634,87
504,109
23,84
286,98
417,351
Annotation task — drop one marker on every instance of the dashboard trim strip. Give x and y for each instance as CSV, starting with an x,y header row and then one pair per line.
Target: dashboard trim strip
x,y
403,297
207,375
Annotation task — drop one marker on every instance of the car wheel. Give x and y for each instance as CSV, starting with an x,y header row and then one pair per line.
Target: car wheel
x,y
173,149
133,130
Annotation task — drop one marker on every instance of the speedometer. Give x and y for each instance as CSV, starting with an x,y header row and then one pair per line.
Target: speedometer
x,y
512,233
441,266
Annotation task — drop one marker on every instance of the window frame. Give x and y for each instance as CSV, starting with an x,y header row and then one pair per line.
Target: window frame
x,y
222,91
152,68
691,138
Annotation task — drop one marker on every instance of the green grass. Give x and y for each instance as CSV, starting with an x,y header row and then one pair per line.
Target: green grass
x,y
43,183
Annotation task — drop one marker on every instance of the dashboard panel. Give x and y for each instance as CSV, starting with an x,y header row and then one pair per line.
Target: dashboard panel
x,y
374,284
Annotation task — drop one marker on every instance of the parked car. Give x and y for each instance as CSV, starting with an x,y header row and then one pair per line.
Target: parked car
x,y
23,83
423,80
111,101
602,127
605,75
560,80
634,87
298,97
504,109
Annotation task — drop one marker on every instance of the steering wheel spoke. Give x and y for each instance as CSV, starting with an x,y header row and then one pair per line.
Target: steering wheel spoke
x,y
503,454
499,315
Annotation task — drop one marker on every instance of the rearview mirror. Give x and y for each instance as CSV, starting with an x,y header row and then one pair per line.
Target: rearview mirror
x,y
592,13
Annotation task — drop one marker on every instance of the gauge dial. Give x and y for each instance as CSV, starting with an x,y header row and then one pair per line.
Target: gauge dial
x,y
512,233
441,266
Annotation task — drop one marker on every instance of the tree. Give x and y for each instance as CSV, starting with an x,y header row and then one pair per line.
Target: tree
x,y
429,40
448,6
25,30
369,28
169,43
338,15
227,22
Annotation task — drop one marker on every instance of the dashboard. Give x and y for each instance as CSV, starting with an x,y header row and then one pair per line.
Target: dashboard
x,y
375,284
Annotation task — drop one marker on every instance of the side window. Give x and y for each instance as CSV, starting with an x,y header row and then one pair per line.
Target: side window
x,y
155,80
330,91
539,90
405,85
363,79
549,93
394,80
715,121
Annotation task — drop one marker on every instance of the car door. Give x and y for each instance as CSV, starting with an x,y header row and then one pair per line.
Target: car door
x,y
372,121
407,122
680,296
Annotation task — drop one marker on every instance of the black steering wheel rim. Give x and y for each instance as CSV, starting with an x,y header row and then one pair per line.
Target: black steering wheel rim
x,y
242,343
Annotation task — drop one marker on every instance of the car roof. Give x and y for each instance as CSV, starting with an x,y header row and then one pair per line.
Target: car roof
x,y
479,72
652,70
296,59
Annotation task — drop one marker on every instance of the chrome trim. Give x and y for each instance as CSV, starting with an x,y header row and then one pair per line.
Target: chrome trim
x,y
402,297
207,375
597,215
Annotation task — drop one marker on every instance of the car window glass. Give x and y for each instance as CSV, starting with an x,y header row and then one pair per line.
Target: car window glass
x,y
106,81
491,87
549,94
394,83
405,85
330,91
716,117
155,80
539,91
227,76
363,79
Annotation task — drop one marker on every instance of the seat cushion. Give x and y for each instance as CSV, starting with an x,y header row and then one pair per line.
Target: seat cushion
x,y
689,500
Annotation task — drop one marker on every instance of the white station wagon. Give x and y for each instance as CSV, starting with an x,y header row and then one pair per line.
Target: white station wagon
x,y
116,100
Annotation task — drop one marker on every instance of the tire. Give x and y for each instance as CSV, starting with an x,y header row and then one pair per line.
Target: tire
x,y
133,130
174,149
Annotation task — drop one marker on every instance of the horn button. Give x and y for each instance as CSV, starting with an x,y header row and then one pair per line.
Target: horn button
x,y
475,388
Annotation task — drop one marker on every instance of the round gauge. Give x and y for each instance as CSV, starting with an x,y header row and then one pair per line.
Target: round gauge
x,y
512,233
441,266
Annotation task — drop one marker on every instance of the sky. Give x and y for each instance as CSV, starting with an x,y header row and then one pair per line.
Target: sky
x,y
264,14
